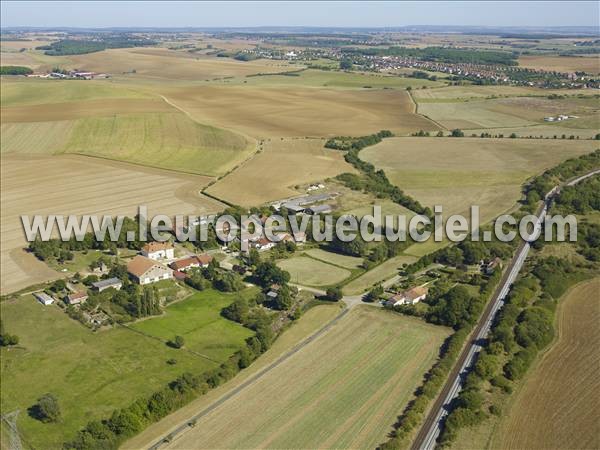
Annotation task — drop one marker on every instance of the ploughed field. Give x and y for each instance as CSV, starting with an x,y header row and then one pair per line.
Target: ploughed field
x,y
346,389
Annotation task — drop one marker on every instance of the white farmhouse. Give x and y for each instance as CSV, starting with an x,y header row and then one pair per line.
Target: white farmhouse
x,y
145,271
158,250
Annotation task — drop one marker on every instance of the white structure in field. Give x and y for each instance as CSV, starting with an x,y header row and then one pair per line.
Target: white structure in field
x,y
43,298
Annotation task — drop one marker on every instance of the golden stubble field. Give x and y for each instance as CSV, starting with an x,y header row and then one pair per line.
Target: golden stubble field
x,y
459,172
163,64
557,407
297,111
589,64
82,185
282,164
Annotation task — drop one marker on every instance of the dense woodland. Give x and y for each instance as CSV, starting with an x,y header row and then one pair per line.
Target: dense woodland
x,y
82,46
15,70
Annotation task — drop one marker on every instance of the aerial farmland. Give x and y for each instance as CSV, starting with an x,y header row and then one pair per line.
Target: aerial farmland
x,y
204,334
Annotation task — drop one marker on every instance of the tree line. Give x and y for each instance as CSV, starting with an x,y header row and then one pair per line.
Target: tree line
x,y
372,180
525,324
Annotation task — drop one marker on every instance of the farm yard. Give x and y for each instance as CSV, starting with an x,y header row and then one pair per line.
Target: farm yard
x,y
365,369
102,187
90,373
457,173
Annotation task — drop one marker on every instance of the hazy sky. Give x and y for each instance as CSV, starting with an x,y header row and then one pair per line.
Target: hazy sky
x,y
341,14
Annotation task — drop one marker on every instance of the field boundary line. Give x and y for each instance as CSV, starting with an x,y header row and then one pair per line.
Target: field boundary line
x,y
416,111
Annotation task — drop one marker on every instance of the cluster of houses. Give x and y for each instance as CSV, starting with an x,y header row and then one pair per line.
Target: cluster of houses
x,y
558,118
145,268
72,74
148,267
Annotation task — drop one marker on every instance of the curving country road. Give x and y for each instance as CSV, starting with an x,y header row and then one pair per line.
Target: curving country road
x,y
431,428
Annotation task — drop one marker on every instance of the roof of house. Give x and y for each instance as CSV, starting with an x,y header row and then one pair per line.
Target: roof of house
x,y
179,275
139,265
106,283
320,208
183,263
416,292
191,260
77,295
152,247
42,296
263,241
293,207
204,259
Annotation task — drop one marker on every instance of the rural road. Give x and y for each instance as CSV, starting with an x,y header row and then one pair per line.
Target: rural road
x,y
431,428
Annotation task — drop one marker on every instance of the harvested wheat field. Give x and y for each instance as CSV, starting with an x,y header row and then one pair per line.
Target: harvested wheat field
x,y
457,173
354,380
589,64
162,64
272,173
80,185
300,111
557,407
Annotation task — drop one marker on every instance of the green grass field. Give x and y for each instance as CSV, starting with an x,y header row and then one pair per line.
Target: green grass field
x,y
337,259
17,92
90,373
311,272
115,122
347,388
378,274
199,321
164,140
